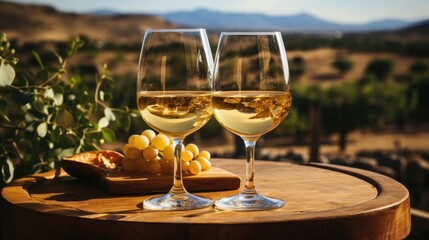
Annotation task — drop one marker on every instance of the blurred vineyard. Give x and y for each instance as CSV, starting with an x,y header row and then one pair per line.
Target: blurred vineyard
x,y
377,99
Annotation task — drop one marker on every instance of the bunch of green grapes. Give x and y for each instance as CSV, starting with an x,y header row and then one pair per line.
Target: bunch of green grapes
x,y
154,153
194,160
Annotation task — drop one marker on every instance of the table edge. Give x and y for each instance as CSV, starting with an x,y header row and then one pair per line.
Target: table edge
x,y
398,209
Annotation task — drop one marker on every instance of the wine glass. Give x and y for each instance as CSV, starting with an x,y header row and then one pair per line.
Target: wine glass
x,y
251,96
174,97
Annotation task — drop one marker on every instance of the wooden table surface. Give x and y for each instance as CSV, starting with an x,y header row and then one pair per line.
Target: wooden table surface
x,y
322,202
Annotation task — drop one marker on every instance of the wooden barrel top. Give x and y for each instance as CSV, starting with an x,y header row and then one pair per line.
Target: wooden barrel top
x,y
322,202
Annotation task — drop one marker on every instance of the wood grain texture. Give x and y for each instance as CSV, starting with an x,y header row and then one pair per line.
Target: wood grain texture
x,y
322,202
215,179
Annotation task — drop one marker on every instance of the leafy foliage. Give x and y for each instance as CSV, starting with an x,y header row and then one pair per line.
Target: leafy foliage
x,y
7,60
419,67
343,65
361,42
417,100
382,102
380,68
297,120
341,108
296,67
349,106
48,113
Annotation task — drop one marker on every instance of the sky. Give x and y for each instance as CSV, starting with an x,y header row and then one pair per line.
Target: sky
x,y
340,11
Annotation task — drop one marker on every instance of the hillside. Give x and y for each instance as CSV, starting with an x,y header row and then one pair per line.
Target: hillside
x,y
27,22
32,23
38,22
299,23
420,27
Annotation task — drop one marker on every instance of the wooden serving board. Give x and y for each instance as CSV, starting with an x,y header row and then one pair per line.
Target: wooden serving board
x,y
215,179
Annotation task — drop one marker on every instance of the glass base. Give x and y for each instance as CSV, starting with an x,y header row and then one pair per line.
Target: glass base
x,y
249,202
185,201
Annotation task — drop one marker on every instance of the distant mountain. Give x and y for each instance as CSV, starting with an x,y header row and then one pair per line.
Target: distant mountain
x,y
421,27
105,12
294,23
27,22
39,22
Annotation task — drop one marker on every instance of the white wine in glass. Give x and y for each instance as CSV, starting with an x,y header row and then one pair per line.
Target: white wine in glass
x,y
174,97
251,96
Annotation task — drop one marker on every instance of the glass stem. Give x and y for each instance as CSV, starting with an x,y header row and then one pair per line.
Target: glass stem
x,y
178,187
249,187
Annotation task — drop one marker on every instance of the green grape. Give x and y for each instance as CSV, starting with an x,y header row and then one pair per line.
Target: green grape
x,y
185,166
131,139
205,164
133,153
141,142
205,154
141,164
149,133
193,148
168,152
160,141
195,167
128,164
125,147
154,167
187,155
150,153
165,165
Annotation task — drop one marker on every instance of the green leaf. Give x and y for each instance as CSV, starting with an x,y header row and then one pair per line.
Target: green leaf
x,y
42,129
7,74
49,93
52,69
103,122
3,37
3,104
40,106
94,135
21,81
88,147
123,120
109,81
56,94
24,97
4,116
38,59
55,135
126,124
108,135
134,113
43,74
7,170
66,142
74,45
66,152
29,117
107,97
108,113
60,59
75,79
101,94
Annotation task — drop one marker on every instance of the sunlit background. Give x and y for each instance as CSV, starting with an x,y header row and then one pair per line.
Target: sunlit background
x,y
347,11
359,72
